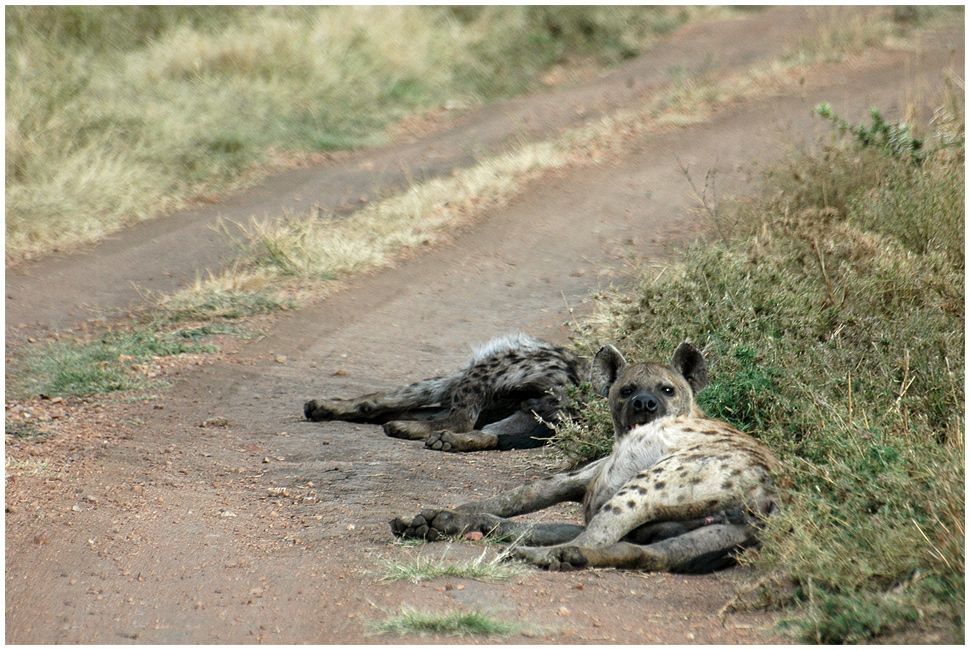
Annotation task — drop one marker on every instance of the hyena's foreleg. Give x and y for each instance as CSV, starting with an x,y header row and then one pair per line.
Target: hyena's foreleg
x,y
381,407
490,515
436,524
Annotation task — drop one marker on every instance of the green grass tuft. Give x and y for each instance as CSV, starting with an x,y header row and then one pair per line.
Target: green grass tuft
x,y
224,302
113,362
420,569
411,621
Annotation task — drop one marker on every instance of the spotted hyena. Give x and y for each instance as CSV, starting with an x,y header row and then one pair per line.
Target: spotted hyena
x,y
504,399
680,492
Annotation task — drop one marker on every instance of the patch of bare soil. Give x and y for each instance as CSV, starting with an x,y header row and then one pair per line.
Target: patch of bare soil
x,y
213,513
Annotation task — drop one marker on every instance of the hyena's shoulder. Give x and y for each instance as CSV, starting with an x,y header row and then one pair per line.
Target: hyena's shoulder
x,y
705,436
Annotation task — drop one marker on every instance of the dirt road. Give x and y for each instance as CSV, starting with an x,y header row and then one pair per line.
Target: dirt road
x,y
147,527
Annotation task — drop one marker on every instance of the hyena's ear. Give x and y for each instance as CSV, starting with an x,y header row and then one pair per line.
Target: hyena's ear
x,y
606,366
690,363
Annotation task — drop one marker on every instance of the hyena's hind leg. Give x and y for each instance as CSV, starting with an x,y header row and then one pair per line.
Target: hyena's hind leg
x,y
528,379
528,427
702,550
382,407
470,396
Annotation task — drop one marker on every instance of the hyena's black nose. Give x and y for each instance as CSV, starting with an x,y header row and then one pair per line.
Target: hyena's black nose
x,y
645,402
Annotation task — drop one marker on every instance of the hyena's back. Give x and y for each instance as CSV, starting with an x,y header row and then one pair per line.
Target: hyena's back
x,y
516,365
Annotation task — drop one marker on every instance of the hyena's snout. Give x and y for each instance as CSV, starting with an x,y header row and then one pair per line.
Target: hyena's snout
x,y
641,408
648,404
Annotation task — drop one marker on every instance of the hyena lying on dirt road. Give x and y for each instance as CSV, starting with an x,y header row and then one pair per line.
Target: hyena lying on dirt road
x,y
502,400
680,492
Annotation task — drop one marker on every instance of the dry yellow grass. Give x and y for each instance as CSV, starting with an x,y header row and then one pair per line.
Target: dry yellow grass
x,y
118,114
310,248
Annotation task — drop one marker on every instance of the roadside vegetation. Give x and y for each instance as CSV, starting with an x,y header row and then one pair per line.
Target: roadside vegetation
x,y
832,308
118,114
116,360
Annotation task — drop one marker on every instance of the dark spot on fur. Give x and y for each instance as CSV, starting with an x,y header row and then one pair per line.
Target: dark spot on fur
x,y
631,504
659,485
696,480
640,489
728,485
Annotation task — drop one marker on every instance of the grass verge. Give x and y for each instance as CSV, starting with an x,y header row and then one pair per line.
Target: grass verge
x,y
118,360
281,261
115,114
832,308
455,623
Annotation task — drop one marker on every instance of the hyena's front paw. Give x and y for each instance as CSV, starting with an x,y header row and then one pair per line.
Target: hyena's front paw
x,y
320,410
553,558
430,525
451,441
407,429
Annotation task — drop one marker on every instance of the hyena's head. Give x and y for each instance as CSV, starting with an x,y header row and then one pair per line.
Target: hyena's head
x,y
642,392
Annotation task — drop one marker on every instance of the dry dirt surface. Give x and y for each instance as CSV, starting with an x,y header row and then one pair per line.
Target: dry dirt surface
x,y
213,513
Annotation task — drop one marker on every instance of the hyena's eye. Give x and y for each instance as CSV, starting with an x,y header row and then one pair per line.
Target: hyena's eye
x,y
667,390
626,391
